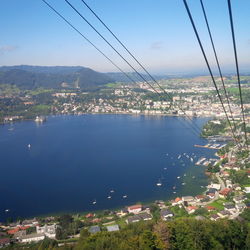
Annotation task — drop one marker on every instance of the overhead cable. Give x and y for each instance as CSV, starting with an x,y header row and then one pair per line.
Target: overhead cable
x,y
208,66
111,61
218,64
130,65
237,67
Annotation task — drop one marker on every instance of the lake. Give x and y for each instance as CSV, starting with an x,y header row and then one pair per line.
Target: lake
x,y
73,161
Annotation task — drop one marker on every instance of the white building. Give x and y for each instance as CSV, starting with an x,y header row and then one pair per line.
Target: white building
x,y
48,230
32,238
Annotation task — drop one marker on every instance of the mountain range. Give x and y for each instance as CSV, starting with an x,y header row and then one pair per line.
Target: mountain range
x,y
30,77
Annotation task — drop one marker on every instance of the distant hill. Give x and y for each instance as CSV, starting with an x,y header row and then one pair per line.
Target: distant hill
x,y
29,77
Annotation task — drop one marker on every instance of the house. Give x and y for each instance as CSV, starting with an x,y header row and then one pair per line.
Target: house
x,y
200,197
4,242
32,238
225,174
122,212
31,222
224,192
224,214
211,191
89,215
145,216
239,199
139,217
215,186
176,201
214,217
135,209
210,208
15,230
19,234
113,228
191,209
229,207
133,219
94,229
247,190
210,195
166,214
229,184
160,204
240,206
48,230
187,198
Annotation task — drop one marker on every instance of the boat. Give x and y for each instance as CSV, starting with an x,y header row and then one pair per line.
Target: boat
x,y
183,183
191,159
94,202
174,192
193,177
109,197
29,146
112,191
6,210
159,183
165,168
174,187
184,175
178,177
124,196
179,156
40,119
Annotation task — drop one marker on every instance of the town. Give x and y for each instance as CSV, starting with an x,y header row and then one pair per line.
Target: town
x,y
195,96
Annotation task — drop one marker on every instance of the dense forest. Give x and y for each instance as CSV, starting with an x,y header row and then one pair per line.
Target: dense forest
x,y
182,234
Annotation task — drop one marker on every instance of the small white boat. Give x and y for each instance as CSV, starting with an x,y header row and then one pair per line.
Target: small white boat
x,y
179,156
183,183
109,197
191,159
193,177
184,175
178,177
29,146
112,191
174,192
6,210
94,202
159,183
124,196
165,168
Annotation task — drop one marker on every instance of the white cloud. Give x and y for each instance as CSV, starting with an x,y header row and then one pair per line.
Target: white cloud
x,y
7,48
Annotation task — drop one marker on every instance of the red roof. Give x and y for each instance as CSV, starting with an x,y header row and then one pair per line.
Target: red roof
x,y
192,207
89,215
135,207
225,191
177,199
210,208
15,230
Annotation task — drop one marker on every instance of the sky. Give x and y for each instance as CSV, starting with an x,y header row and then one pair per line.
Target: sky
x,y
158,33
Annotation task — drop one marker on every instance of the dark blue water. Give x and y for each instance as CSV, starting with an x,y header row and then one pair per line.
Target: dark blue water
x,y
74,160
